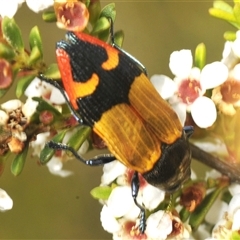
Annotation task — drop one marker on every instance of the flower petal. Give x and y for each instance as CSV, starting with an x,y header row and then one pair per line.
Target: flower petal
x,y
213,75
39,5
216,211
55,167
152,196
6,203
181,63
180,108
159,225
11,105
164,85
111,171
9,8
234,188
236,221
109,222
29,108
234,204
120,201
204,112
3,117
57,97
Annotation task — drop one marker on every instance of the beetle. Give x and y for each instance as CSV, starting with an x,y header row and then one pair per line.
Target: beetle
x,y
108,90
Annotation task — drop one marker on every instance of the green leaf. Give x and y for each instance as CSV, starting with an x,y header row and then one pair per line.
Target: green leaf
x,y
101,25
236,11
222,14
49,16
101,192
35,39
3,160
23,83
52,72
109,11
229,36
200,212
47,153
104,35
35,56
218,13
235,235
43,106
79,137
2,92
94,11
119,37
184,214
19,162
200,55
6,52
223,6
12,34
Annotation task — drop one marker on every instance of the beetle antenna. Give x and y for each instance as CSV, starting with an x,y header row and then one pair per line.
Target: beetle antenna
x,y
139,64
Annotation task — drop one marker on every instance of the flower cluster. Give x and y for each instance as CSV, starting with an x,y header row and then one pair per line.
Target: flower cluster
x,y
119,214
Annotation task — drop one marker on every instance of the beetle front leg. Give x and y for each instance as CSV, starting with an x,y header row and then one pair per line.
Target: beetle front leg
x,y
56,85
135,184
96,161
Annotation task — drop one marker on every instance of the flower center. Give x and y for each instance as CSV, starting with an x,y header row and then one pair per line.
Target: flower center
x,y
189,90
230,91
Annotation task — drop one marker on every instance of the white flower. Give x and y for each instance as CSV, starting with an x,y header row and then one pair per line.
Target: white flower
x,y
159,225
6,203
226,96
120,209
3,117
29,108
11,105
55,166
39,5
111,171
181,63
38,88
109,222
39,143
234,189
236,44
9,8
200,109
190,85
230,222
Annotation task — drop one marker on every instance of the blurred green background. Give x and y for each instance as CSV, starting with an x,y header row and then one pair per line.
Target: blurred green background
x,y
50,207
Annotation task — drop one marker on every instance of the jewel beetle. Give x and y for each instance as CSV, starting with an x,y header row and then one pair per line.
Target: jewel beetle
x,y
108,90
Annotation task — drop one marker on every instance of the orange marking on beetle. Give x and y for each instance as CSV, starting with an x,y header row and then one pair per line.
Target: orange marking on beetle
x,y
112,61
113,58
74,89
82,89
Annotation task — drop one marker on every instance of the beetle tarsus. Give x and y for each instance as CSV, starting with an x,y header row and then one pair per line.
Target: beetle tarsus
x,y
135,184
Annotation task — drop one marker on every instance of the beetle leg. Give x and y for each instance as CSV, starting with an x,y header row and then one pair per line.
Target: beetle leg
x,y
135,189
140,65
96,161
56,85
